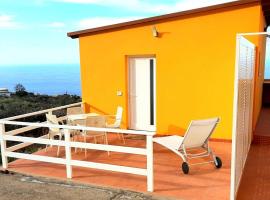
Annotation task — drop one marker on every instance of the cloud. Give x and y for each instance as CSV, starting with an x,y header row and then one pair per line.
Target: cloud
x,y
102,21
7,22
104,2
56,25
191,4
143,6
157,8
136,5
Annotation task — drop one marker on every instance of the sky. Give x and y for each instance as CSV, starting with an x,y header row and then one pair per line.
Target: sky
x,y
34,31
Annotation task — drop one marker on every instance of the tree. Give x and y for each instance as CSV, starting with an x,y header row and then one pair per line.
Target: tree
x,y
20,90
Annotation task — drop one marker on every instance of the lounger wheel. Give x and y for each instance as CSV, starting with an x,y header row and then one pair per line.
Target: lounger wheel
x,y
185,168
218,162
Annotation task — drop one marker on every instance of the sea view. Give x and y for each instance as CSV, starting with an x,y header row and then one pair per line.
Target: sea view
x,y
267,61
43,79
52,79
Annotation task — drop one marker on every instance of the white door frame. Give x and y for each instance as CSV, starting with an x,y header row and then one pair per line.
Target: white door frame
x,y
153,128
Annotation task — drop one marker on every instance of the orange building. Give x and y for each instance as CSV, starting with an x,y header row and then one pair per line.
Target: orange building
x,y
167,70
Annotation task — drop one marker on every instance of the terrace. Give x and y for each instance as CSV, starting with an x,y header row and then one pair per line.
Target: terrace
x,y
137,165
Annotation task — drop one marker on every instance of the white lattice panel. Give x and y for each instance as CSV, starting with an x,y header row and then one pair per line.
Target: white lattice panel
x,y
246,63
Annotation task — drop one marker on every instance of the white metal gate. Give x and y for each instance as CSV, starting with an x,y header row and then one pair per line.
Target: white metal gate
x,y
243,107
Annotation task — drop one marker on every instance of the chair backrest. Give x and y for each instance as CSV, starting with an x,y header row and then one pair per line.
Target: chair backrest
x,y
199,131
80,122
95,121
52,119
74,110
118,117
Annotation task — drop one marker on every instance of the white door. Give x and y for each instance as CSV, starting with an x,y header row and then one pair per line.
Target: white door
x,y
142,94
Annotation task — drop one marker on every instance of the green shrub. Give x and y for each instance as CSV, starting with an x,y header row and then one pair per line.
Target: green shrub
x,y
22,104
20,90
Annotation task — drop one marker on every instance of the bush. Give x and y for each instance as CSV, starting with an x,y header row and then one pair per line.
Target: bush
x,y
20,90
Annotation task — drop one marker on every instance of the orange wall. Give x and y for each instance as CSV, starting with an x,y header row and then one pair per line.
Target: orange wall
x,y
195,58
260,41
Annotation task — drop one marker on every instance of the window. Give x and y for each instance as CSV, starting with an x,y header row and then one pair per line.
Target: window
x,y
267,59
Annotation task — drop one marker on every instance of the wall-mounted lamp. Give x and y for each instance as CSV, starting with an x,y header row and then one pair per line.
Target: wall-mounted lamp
x,y
154,31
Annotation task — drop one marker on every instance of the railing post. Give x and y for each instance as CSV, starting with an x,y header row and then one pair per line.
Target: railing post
x,y
150,173
68,153
3,146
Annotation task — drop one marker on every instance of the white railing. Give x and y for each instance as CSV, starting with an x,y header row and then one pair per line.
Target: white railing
x,y
68,161
29,128
50,110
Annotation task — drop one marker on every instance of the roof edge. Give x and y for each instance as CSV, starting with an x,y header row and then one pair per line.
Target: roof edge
x,y
77,34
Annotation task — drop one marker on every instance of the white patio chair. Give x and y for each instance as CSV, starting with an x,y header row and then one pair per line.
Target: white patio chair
x,y
74,110
93,121
196,139
117,120
52,119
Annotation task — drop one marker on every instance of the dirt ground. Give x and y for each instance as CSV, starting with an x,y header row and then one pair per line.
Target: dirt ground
x,y
20,187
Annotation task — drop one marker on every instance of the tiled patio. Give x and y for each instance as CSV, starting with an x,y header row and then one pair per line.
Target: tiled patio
x,y
262,131
203,182
255,182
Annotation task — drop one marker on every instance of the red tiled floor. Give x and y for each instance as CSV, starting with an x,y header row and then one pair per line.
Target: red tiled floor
x,y
203,182
263,125
255,182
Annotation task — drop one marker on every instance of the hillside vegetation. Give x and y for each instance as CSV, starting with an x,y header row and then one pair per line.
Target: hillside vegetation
x,y
22,102
16,105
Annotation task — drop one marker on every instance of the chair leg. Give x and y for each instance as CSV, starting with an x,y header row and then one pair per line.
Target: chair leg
x,y
47,144
85,150
58,151
51,138
75,147
77,136
106,142
123,138
71,140
58,148
84,139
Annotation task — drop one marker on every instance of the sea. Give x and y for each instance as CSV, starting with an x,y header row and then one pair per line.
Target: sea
x,y
43,79
267,60
267,64
52,79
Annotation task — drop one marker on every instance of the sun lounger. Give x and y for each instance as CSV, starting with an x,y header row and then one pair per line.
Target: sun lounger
x,y
195,143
